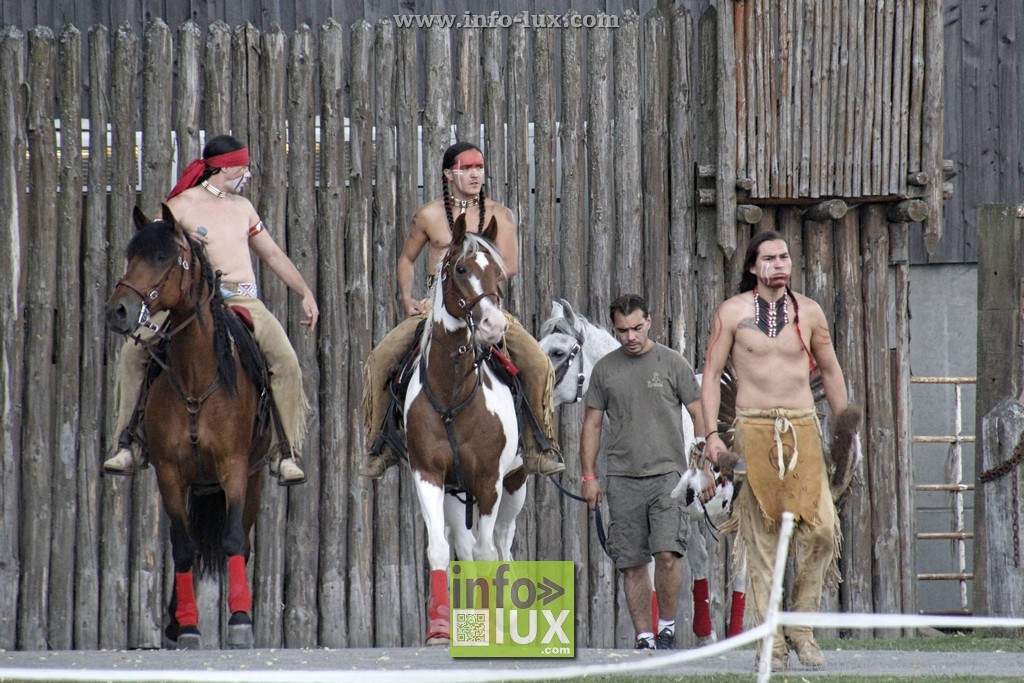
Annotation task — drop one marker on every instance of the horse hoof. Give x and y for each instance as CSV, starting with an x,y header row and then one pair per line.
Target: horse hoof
x,y
189,641
239,635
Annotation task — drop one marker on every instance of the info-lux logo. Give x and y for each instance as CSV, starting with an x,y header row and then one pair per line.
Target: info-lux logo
x,y
512,609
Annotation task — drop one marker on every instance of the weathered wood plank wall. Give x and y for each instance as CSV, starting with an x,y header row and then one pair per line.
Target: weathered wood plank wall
x,y
627,173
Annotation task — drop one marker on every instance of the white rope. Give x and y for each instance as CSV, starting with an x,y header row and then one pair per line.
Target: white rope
x,y
764,632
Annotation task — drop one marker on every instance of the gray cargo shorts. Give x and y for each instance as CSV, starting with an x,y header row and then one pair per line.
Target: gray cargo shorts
x,y
645,519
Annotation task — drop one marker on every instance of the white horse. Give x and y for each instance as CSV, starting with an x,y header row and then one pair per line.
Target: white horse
x,y
574,345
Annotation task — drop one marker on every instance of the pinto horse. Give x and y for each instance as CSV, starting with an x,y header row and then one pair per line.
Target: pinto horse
x,y
460,420
204,415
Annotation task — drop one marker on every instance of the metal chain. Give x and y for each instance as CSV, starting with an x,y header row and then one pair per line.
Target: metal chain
x,y
1004,468
1016,519
1000,470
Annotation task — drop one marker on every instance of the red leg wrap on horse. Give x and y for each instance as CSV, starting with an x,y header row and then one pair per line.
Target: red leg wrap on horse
x,y
439,625
186,613
701,609
654,612
739,604
438,594
239,597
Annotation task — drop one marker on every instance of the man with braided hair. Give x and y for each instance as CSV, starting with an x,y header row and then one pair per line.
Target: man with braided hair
x,y
462,168
775,339
207,203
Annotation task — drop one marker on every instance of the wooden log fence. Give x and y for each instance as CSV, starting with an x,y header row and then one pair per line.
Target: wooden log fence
x,y
346,127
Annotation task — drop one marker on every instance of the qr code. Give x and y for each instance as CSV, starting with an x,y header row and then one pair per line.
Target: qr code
x,y
472,627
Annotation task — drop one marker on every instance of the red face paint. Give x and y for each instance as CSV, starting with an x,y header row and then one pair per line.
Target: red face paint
x,y
471,159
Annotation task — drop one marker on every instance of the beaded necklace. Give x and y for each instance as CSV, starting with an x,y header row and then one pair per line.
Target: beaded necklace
x,y
213,190
770,316
463,204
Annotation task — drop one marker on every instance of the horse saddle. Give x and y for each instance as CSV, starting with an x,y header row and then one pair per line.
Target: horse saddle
x,y
245,316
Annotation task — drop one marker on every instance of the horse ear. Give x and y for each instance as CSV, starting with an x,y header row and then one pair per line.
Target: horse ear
x,y
167,215
459,229
556,310
568,313
491,231
140,218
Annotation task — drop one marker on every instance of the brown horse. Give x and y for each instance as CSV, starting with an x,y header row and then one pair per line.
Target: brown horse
x,y
204,416
461,425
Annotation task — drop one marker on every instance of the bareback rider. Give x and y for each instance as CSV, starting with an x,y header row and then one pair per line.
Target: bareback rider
x,y
207,203
462,168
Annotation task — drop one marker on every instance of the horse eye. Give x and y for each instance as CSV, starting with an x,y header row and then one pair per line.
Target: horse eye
x,y
460,269
557,352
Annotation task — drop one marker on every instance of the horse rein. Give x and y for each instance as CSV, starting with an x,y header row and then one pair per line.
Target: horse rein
x,y
562,370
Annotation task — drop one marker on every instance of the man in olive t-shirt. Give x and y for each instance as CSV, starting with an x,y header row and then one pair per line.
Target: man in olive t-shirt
x,y
641,387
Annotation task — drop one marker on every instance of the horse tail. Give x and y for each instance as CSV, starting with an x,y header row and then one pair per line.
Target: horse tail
x,y
207,516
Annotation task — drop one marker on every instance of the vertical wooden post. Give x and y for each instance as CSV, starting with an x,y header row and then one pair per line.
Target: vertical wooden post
x,y
68,343
270,196
879,425
334,329
301,615
361,624
13,208
37,426
1000,339
387,230
628,261
93,388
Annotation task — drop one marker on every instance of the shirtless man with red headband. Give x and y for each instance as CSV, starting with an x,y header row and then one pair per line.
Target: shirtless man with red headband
x,y
462,186
207,203
776,338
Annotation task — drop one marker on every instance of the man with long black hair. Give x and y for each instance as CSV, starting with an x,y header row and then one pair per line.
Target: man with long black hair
x,y
776,338
207,203
462,187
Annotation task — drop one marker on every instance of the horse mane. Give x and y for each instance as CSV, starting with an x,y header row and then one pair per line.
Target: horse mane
x,y
228,331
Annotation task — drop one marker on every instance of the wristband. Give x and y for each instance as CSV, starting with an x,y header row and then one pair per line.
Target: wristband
x,y
709,434
589,477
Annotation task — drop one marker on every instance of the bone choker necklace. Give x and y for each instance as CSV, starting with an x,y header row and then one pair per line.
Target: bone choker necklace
x,y
213,190
463,204
770,316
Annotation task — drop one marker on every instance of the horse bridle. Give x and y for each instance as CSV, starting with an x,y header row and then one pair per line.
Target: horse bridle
x,y
564,364
185,259
465,306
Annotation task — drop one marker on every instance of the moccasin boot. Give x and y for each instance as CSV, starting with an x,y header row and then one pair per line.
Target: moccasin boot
x,y
374,466
809,653
125,462
289,473
545,464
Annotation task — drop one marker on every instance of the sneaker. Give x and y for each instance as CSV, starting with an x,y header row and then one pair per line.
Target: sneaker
x,y
666,639
124,463
809,654
708,639
644,643
545,464
289,473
